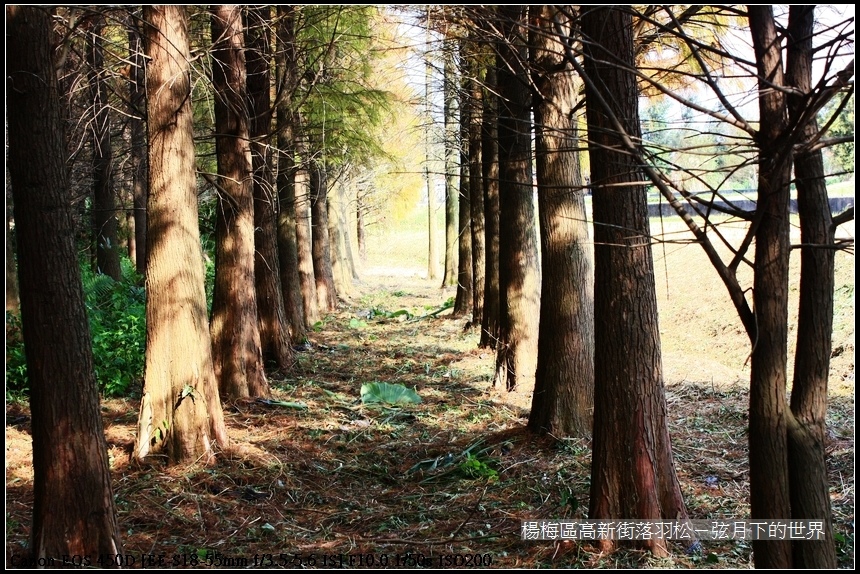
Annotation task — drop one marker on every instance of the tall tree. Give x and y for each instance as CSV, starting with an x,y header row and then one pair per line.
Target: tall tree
x,y
342,264
180,410
274,328
769,492
286,83
449,115
321,245
632,474
786,469
463,301
236,348
564,388
431,224
476,183
137,120
70,461
304,233
519,277
490,180
104,196
808,488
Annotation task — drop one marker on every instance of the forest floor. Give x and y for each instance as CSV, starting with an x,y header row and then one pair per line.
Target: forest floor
x,y
317,478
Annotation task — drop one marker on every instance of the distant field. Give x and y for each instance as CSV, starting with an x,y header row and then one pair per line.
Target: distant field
x,y
703,339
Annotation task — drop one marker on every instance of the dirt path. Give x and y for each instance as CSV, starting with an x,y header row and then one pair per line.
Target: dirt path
x,y
317,478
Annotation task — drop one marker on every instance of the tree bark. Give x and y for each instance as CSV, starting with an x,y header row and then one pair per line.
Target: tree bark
x,y
341,255
476,184
139,167
807,468
303,231
431,223
519,276
73,505
104,199
769,490
463,301
633,474
563,402
285,66
180,411
490,180
321,246
274,328
236,350
450,117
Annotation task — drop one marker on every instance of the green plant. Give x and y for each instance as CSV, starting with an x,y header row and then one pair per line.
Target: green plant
x,y
16,359
117,316
387,393
473,467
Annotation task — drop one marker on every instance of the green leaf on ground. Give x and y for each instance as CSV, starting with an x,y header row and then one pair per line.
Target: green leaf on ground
x,y
388,393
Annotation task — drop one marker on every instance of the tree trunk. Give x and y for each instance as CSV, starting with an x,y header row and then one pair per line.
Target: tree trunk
x,y
463,301
304,234
431,224
285,66
490,179
633,474
73,505
807,468
360,232
173,418
137,120
321,247
476,184
449,114
104,199
236,350
769,491
563,402
341,269
274,329
519,277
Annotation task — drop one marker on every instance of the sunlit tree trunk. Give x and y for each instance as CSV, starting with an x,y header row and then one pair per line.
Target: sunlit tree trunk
x,y
236,350
303,229
341,255
428,178
563,401
519,276
104,197
632,473
74,513
449,74
321,246
180,410
274,328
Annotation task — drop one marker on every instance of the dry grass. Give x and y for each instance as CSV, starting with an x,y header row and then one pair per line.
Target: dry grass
x,y
340,480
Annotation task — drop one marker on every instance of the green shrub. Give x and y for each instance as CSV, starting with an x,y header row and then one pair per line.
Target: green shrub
x,y
117,314
117,317
16,361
